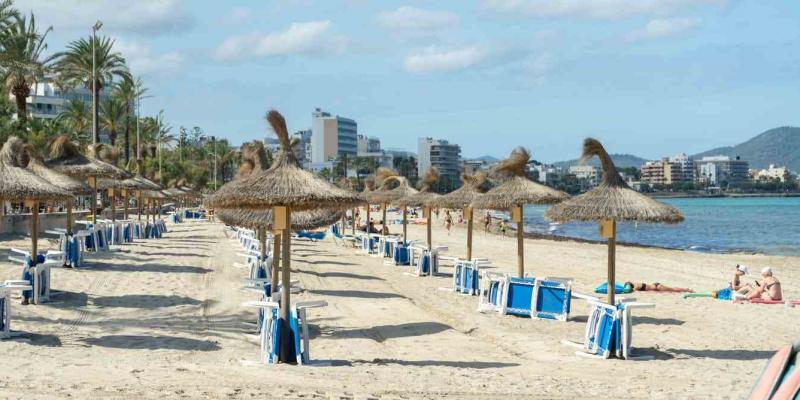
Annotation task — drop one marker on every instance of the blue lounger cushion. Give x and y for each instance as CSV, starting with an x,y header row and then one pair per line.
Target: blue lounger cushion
x,y
520,296
552,300
311,235
401,255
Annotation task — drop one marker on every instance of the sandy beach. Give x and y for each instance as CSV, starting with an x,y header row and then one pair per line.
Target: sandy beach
x,y
163,319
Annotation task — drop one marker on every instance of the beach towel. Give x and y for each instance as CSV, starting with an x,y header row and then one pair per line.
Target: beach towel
x,y
618,288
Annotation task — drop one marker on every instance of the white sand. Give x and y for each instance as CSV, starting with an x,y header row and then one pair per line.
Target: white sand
x,y
163,319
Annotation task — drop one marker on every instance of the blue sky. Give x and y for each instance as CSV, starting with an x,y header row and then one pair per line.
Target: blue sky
x,y
648,77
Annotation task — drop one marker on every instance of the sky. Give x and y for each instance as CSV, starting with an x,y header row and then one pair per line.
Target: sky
x,y
647,77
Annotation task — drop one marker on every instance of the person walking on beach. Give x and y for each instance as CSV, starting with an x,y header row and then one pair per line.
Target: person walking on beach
x,y
487,223
448,221
502,227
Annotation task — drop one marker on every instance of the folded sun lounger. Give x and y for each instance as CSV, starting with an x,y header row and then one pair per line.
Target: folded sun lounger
x,y
5,306
271,330
609,331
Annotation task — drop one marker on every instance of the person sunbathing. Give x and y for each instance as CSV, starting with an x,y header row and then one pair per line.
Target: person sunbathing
x,y
654,287
769,289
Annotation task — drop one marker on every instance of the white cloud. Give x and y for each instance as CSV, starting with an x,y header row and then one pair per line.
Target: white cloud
x,y
601,9
142,61
435,59
414,19
140,16
658,28
313,38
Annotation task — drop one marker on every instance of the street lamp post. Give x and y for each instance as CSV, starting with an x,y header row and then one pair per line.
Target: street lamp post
x,y
96,27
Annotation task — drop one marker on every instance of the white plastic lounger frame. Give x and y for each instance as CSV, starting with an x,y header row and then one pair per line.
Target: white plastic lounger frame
x,y
493,286
460,275
299,311
5,306
605,321
552,309
40,281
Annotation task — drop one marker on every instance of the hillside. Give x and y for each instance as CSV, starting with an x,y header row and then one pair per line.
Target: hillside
x,y
620,160
780,146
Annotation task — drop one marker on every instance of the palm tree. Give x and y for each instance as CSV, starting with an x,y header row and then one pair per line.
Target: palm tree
x,y
21,59
7,13
163,136
112,117
75,116
75,66
128,91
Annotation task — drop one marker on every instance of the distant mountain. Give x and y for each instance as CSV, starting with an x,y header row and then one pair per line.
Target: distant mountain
x,y
620,160
780,146
486,159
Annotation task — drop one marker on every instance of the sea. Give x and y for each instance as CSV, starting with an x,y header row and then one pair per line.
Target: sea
x,y
768,225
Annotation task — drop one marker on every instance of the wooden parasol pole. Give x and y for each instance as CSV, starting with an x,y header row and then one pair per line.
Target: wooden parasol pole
x,y
405,225
113,205
608,230
139,204
282,220
69,217
469,213
262,239
516,216
354,221
427,212
34,230
276,259
93,184
367,226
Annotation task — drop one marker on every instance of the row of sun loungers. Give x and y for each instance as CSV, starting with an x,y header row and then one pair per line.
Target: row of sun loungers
x,y
35,283
269,326
609,329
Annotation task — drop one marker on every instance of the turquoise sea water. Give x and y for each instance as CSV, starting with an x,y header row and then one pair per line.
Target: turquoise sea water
x,y
769,225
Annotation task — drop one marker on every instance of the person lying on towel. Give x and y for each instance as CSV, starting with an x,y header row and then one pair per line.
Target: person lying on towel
x,y
769,289
654,287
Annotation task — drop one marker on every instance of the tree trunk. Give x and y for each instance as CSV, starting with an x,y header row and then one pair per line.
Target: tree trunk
x,y
96,111
21,93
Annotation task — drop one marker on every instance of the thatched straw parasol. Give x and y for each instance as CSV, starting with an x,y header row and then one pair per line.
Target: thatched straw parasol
x,y
257,219
514,193
421,199
610,202
67,159
68,184
17,183
285,187
386,195
462,198
110,155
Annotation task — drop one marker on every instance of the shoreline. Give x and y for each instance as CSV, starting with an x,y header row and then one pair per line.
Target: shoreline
x,y
688,195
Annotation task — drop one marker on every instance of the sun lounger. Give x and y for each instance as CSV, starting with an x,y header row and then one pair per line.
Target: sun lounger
x,y
609,331
401,254
491,292
781,377
543,298
466,275
37,276
5,306
368,242
341,238
271,330
312,236
427,261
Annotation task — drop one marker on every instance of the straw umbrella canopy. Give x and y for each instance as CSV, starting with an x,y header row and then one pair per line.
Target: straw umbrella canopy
x,y
386,195
285,187
256,219
67,159
369,187
462,198
611,201
422,198
17,183
68,184
110,155
514,193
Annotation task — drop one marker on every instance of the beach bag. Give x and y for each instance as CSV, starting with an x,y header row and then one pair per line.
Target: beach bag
x,y
618,288
724,294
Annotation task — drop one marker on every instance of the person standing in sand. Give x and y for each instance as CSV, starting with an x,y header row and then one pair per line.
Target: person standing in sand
x,y
448,221
487,223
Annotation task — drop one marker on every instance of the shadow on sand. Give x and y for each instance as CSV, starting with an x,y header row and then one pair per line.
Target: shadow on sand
x,y
428,363
150,268
357,293
346,275
145,342
382,332
145,301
